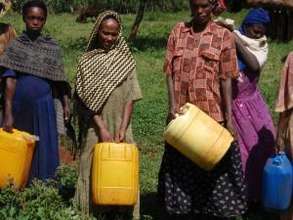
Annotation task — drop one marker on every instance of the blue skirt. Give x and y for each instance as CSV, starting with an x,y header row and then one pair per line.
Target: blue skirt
x,y
33,111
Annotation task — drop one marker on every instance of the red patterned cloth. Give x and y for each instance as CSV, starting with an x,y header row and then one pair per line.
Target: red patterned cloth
x,y
197,62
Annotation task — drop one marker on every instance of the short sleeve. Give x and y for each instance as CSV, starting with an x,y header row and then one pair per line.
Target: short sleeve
x,y
228,57
9,73
169,54
134,92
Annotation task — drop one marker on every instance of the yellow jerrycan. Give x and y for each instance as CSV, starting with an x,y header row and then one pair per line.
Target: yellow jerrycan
x,y
16,152
198,137
115,174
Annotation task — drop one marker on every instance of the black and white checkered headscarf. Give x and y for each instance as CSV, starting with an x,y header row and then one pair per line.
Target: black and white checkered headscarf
x,y
99,72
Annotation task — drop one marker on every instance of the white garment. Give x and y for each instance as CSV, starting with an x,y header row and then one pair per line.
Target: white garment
x,y
258,47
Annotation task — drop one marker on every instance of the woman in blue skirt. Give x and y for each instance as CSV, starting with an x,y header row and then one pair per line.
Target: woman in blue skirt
x,y
34,74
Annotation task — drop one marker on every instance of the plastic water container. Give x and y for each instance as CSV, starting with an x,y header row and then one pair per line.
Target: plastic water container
x,y
198,136
16,152
277,182
115,174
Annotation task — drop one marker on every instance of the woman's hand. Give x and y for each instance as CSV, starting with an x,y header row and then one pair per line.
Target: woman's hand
x,y
66,113
224,24
105,135
120,136
8,122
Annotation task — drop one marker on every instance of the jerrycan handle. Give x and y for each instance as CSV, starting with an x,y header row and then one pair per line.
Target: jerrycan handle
x,y
183,109
278,160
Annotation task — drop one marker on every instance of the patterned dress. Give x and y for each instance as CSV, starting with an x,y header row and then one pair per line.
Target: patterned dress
x,y
197,62
255,128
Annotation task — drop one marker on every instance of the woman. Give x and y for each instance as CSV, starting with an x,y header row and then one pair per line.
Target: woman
x,y
106,89
284,105
33,72
7,34
200,63
251,116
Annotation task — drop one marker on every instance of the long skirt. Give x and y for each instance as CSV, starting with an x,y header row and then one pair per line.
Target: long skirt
x,y
33,112
256,138
184,188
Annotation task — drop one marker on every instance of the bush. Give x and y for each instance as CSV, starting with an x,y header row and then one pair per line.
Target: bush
x,y
66,178
39,201
66,175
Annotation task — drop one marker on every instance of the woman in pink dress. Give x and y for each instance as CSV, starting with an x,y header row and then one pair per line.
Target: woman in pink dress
x,y
252,119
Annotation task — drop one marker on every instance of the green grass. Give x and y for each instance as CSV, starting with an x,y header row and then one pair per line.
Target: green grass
x,y
149,49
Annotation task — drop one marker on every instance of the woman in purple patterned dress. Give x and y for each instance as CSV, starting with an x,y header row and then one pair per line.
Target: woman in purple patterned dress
x,y
253,121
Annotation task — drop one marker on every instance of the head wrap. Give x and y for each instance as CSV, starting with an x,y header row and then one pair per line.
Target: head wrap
x,y
99,71
5,5
255,16
218,6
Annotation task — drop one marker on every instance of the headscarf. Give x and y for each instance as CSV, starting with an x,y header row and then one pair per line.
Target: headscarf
x,y
217,6
285,97
258,47
255,16
99,71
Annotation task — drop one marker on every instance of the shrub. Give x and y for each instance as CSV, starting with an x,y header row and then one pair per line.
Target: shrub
x,y
66,175
38,201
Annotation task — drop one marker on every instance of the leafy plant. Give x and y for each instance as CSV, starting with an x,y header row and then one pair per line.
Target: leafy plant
x,y
37,202
67,175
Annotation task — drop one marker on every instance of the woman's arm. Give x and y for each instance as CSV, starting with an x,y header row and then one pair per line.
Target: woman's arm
x,y
282,124
62,91
249,59
104,134
127,112
10,86
66,108
226,85
171,98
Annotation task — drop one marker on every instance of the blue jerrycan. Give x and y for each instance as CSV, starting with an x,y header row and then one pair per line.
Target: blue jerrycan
x,y
277,182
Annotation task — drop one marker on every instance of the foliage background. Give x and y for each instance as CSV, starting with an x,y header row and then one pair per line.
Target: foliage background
x,y
123,6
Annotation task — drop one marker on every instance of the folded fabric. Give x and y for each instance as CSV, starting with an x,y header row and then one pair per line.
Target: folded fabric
x,y
258,47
